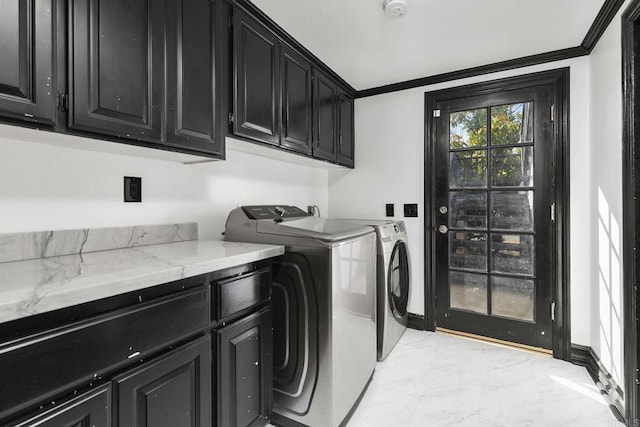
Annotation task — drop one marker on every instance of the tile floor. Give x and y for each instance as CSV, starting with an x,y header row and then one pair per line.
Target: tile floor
x,y
434,379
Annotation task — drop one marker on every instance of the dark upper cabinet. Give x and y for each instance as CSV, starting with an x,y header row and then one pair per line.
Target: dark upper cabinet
x,y
345,131
117,68
281,99
145,70
256,80
245,374
172,390
296,101
92,408
191,89
27,52
325,95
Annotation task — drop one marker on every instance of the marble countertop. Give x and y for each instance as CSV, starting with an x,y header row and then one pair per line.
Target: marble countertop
x,y
41,285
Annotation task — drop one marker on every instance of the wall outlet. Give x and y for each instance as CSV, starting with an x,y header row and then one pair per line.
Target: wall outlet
x,y
410,210
389,207
132,189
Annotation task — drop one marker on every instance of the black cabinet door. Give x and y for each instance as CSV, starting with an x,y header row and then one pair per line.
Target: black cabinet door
x,y
92,408
191,94
296,101
27,80
324,117
172,390
346,132
256,80
117,67
245,371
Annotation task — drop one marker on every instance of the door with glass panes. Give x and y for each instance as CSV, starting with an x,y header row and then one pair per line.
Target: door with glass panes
x,y
493,194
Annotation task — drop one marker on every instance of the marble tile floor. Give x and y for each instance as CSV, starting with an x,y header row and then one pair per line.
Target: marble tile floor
x,y
435,379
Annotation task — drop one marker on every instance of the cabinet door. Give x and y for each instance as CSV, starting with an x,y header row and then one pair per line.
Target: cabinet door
x,y
324,115
256,80
27,89
346,132
245,371
117,67
92,408
172,390
190,115
296,101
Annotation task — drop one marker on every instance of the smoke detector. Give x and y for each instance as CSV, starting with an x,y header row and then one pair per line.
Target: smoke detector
x,y
394,8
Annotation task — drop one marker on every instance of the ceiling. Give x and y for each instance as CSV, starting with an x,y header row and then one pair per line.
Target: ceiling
x,y
367,49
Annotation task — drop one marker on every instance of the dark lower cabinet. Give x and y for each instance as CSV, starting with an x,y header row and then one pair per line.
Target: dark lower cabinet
x,y
256,80
345,131
172,390
92,408
206,359
245,371
27,64
325,93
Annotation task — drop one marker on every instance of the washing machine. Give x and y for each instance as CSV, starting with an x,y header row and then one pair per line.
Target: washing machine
x,y
324,310
393,265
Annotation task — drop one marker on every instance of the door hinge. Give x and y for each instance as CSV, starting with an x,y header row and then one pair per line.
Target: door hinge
x,y
63,102
230,118
553,112
436,113
553,311
553,212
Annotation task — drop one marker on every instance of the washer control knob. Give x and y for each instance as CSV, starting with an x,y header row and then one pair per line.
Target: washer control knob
x,y
443,229
443,210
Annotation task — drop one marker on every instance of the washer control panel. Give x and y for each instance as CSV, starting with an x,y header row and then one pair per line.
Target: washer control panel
x,y
273,212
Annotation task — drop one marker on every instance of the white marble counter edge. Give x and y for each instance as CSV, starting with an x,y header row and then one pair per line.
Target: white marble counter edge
x,y
43,301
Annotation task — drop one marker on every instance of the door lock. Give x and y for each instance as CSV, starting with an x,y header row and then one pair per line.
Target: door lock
x,y
443,229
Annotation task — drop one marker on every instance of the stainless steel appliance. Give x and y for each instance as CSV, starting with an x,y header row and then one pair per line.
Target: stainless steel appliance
x,y
324,293
394,281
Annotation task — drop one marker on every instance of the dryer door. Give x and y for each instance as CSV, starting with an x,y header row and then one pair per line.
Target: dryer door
x,y
398,280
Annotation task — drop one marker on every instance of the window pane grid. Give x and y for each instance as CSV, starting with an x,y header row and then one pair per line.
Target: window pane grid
x,y
491,195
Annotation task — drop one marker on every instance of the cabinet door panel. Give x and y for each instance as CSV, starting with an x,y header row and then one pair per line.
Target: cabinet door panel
x,y
256,76
245,370
173,390
191,76
90,409
346,132
117,68
296,101
325,92
26,69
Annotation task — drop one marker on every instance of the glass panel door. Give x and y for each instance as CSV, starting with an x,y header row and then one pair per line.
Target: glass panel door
x,y
494,163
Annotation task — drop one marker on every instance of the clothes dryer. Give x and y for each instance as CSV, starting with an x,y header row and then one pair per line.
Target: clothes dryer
x,y
393,267
323,301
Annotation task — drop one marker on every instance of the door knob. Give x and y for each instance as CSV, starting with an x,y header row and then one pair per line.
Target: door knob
x,y
443,210
443,229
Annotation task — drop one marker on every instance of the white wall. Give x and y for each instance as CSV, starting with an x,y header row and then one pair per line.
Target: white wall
x,y
605,260
46,187
390,162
